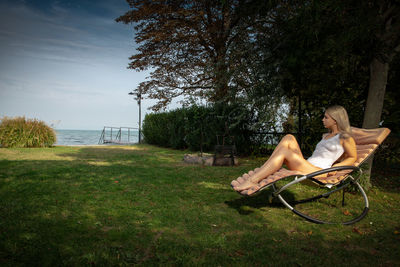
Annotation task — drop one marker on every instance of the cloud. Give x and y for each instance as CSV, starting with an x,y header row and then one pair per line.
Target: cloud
x,y
26,30
61,36
68,63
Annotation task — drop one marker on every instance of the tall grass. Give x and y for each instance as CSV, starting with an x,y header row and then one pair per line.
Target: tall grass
x,y
22,132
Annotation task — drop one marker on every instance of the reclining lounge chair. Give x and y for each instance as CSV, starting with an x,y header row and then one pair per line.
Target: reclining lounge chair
x,y
367,141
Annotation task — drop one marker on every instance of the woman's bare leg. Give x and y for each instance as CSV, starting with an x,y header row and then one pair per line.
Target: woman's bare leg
x,y
288,142
288,152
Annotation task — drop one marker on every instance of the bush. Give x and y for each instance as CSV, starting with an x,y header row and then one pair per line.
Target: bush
x,y
196,127
21,132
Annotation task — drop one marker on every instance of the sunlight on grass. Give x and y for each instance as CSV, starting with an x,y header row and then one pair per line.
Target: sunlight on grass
x,y
213,185
99,163
58,153
166,159
35,155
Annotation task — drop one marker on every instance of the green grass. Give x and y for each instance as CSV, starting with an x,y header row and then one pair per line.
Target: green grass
x,y
140,205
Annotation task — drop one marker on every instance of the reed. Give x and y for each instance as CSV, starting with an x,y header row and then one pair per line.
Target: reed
x,y
22,132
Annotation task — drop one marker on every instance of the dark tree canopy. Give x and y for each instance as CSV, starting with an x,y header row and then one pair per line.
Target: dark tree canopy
x,y
325,51
188,46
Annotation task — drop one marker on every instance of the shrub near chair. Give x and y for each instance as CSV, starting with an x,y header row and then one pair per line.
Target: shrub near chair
x,y
367,141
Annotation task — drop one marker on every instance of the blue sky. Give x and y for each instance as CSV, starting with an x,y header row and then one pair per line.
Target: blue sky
x,y
64,62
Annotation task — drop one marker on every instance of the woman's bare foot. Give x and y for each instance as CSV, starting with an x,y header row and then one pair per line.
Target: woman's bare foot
x,y
238,181
245,177
242,179
246,185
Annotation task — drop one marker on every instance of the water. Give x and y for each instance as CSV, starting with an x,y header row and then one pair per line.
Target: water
x,y
90,137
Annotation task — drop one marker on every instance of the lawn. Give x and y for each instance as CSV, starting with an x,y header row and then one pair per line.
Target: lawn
x,y
141,205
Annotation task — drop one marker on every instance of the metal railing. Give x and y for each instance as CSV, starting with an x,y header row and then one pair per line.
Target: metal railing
x,y
119,135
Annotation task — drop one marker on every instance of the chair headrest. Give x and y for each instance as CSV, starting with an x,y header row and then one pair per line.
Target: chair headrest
x,y
369,136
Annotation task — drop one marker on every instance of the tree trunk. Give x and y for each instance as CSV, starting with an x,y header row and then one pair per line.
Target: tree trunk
x,y
376,94
221,79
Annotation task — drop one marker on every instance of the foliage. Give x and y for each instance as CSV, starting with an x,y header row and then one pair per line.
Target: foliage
x,y
197,127
21,132
141,206
156,128
189,45
391,111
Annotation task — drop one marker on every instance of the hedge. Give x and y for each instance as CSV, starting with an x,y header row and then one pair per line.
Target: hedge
x,y
196,127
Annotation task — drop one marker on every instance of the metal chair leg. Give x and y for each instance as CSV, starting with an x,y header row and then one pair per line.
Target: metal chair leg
x,y
318,221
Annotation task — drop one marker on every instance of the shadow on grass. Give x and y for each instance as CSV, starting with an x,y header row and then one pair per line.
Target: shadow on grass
x,y
386,179
65,242
66,212
259,200
61,241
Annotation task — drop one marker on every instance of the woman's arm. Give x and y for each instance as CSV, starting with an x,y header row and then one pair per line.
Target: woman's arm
x,y
350,152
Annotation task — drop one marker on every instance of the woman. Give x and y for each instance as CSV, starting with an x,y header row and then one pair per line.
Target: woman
x,y
335,146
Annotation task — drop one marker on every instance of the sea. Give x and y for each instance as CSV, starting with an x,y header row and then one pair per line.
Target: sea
x,y
92,137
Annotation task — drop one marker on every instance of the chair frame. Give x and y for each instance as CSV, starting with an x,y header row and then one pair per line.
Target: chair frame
x,y
340,186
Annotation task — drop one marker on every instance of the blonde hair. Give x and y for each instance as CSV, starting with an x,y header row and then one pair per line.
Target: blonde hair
x,y
339,114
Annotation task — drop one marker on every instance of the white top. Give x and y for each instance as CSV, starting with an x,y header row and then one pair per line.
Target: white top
x,y
326,152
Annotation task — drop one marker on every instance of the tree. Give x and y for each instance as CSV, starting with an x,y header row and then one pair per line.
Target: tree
x,y
187,45
386,41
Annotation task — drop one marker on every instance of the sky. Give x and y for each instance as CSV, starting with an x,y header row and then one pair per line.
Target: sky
x,y
65,63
